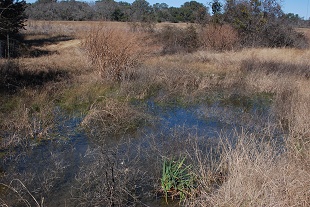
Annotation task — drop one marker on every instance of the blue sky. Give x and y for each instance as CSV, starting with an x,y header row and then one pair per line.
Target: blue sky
x,y
300,7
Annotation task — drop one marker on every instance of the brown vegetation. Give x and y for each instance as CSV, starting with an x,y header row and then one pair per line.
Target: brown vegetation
x,y
252,170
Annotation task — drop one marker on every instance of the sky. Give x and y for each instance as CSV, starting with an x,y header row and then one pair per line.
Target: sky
x,y
300,7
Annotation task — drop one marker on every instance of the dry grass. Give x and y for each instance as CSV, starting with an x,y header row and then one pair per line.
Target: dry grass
x,y
112,118
252,171
256,174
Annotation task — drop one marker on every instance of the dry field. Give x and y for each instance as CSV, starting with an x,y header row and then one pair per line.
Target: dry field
x,y
73,75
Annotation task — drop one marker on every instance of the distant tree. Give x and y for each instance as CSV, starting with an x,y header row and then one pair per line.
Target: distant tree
x,y
105,8
193,11
176,15
216,7
161,12
141,11
63,10
293,19
119,15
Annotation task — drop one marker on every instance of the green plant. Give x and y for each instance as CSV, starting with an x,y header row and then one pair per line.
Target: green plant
x,y
177,180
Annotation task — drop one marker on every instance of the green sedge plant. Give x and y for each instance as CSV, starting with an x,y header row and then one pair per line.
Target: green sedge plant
x,y
177,179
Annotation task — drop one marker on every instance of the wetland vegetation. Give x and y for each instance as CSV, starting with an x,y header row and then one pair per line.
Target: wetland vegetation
x,y
104,115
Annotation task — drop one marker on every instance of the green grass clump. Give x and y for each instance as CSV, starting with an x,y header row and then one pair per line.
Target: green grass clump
x,y
177,179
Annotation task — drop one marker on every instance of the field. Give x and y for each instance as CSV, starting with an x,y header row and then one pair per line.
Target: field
x,y
90,105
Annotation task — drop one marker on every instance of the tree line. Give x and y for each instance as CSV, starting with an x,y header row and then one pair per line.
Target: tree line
x,y
110,10
143,11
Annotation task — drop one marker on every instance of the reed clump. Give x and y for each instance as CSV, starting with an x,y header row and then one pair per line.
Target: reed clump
x,y
113,117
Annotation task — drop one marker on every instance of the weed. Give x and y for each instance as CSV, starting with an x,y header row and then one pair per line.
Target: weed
x,y
177,179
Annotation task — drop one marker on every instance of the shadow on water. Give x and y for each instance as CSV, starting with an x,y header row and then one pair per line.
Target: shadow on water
x,y
55,163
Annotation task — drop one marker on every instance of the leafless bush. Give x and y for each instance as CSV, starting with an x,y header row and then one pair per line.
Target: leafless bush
x,y
178,40
113,51
219,37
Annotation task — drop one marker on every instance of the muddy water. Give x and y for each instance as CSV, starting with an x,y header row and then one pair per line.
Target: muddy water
x,y
50,168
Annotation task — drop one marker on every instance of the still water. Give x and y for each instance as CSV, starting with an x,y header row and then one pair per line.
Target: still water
x,y
54,169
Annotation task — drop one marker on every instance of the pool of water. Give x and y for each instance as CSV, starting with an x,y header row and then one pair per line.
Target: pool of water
x,y
52,168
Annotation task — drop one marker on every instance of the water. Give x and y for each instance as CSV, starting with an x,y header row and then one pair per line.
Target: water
x,y
52,168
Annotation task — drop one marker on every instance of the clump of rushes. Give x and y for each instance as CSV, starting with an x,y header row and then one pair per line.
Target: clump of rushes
x,y
177,179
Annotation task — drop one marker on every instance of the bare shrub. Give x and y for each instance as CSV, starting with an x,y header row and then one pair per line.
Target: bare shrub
x,y
219,37
113,51
177,40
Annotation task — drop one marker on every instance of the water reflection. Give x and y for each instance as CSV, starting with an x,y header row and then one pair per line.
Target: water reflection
x,y
68,165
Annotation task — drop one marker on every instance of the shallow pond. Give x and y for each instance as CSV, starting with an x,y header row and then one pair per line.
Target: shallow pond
x,y
60,169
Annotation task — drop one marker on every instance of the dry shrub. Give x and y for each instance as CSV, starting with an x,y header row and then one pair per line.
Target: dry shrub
x,y
219,37
177,40
114,51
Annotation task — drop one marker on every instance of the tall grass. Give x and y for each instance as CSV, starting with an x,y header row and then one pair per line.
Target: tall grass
x,y
257,173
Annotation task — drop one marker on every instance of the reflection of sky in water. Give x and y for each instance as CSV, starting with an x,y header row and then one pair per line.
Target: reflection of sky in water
x,y
71,144
188,119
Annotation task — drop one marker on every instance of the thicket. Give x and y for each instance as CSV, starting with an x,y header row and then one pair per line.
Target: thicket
x,y
261,23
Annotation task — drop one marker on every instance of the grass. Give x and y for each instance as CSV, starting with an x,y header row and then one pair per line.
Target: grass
x,y
177,179
251,170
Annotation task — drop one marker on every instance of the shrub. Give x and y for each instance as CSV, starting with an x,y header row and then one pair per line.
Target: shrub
x,y
219,37
277,34
114,51
175,40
